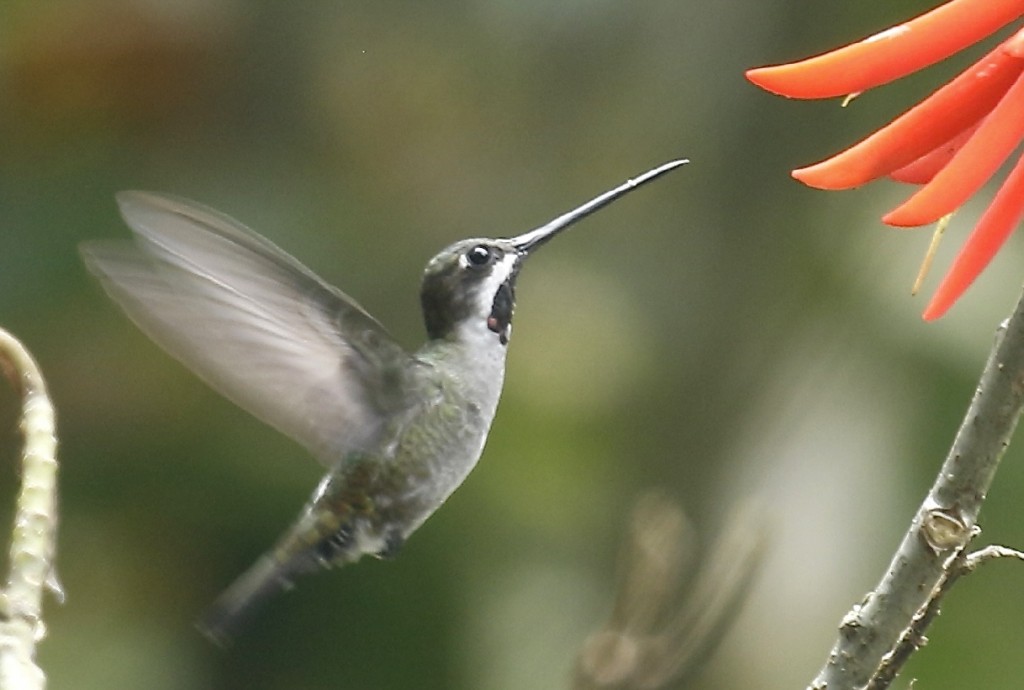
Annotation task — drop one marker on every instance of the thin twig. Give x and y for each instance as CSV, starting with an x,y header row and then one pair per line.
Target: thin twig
x,y
945,522
32,540
913,637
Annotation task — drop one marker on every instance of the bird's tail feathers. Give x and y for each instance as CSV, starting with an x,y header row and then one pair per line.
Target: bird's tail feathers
x,y
238,602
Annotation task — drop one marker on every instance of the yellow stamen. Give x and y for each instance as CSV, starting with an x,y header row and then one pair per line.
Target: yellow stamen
x,y
926,264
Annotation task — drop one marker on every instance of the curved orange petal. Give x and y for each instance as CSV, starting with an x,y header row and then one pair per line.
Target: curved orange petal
x,y
892,53
971,167
992,230
954,107
922,170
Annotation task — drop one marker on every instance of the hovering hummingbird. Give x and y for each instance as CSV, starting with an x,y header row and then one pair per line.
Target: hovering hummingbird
x,y
398,432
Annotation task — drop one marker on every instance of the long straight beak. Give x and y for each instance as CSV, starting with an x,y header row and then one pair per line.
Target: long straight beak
x,y
529,241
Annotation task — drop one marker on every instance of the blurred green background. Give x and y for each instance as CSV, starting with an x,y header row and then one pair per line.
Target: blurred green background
x,y
723,333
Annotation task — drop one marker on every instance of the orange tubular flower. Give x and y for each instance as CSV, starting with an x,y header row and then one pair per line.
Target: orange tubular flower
x,y
951,143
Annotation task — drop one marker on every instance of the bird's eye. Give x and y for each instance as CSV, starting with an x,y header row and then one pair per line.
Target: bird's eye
x,y
479,256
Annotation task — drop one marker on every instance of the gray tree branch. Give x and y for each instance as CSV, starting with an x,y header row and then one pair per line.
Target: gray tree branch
x,y
913,637
943,525
35,521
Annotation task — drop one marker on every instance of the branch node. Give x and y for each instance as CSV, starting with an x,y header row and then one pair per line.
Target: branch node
x,y
943,530
851,622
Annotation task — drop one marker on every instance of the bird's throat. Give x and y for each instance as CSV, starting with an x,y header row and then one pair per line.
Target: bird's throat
x,y
500,318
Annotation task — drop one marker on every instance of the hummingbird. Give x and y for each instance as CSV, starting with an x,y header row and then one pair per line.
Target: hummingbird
x,y
397,431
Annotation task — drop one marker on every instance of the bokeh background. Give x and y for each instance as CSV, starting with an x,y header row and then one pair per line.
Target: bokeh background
x,y
722,334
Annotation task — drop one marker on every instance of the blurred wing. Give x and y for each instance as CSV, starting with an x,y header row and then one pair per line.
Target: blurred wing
x,y
255,324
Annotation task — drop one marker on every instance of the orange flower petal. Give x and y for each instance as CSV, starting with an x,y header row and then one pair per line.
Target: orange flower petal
x,y
927,166
992,230
971,167
936,120
892,53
